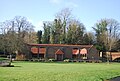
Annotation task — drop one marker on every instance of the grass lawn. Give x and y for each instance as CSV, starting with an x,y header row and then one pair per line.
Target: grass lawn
x,y
35,71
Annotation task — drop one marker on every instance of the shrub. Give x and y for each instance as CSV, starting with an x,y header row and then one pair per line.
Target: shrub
x,y
66,60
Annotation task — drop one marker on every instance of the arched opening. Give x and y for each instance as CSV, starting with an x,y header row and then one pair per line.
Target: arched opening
x,y
75,53
117,59
83,53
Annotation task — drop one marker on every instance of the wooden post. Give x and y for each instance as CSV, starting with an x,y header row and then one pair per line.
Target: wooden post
x,y
10,59
62,56
38,53
79,54
45,55
55,57
30,55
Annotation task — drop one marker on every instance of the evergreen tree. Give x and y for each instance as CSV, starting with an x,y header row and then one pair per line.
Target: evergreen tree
x,y
46,35
39,35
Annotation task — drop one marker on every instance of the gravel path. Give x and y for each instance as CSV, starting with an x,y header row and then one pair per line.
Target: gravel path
x,y
114,79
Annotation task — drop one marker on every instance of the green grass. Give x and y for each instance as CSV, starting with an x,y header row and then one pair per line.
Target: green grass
x,y
2,58
30,71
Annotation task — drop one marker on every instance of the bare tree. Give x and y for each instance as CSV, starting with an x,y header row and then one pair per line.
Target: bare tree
x,y
15,32
113,31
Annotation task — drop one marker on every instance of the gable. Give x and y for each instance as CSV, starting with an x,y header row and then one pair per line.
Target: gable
x,y
59,51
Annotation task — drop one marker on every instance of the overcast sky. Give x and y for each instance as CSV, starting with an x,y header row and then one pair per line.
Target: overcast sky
x,y
36,11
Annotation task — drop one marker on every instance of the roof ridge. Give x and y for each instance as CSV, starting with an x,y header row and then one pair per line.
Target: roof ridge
x,y
58,45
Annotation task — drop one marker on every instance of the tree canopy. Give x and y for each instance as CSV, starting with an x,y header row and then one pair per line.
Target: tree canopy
x,y
16,33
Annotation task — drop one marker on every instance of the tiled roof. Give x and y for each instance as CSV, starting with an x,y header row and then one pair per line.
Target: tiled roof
x,y
115,55
41,50
89,46
75,51
34,50
59,51
83,51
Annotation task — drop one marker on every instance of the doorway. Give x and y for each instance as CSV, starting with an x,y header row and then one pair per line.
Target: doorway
x,y
59,57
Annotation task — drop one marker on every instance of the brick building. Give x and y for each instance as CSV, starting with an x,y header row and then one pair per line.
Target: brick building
x,y
61,52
